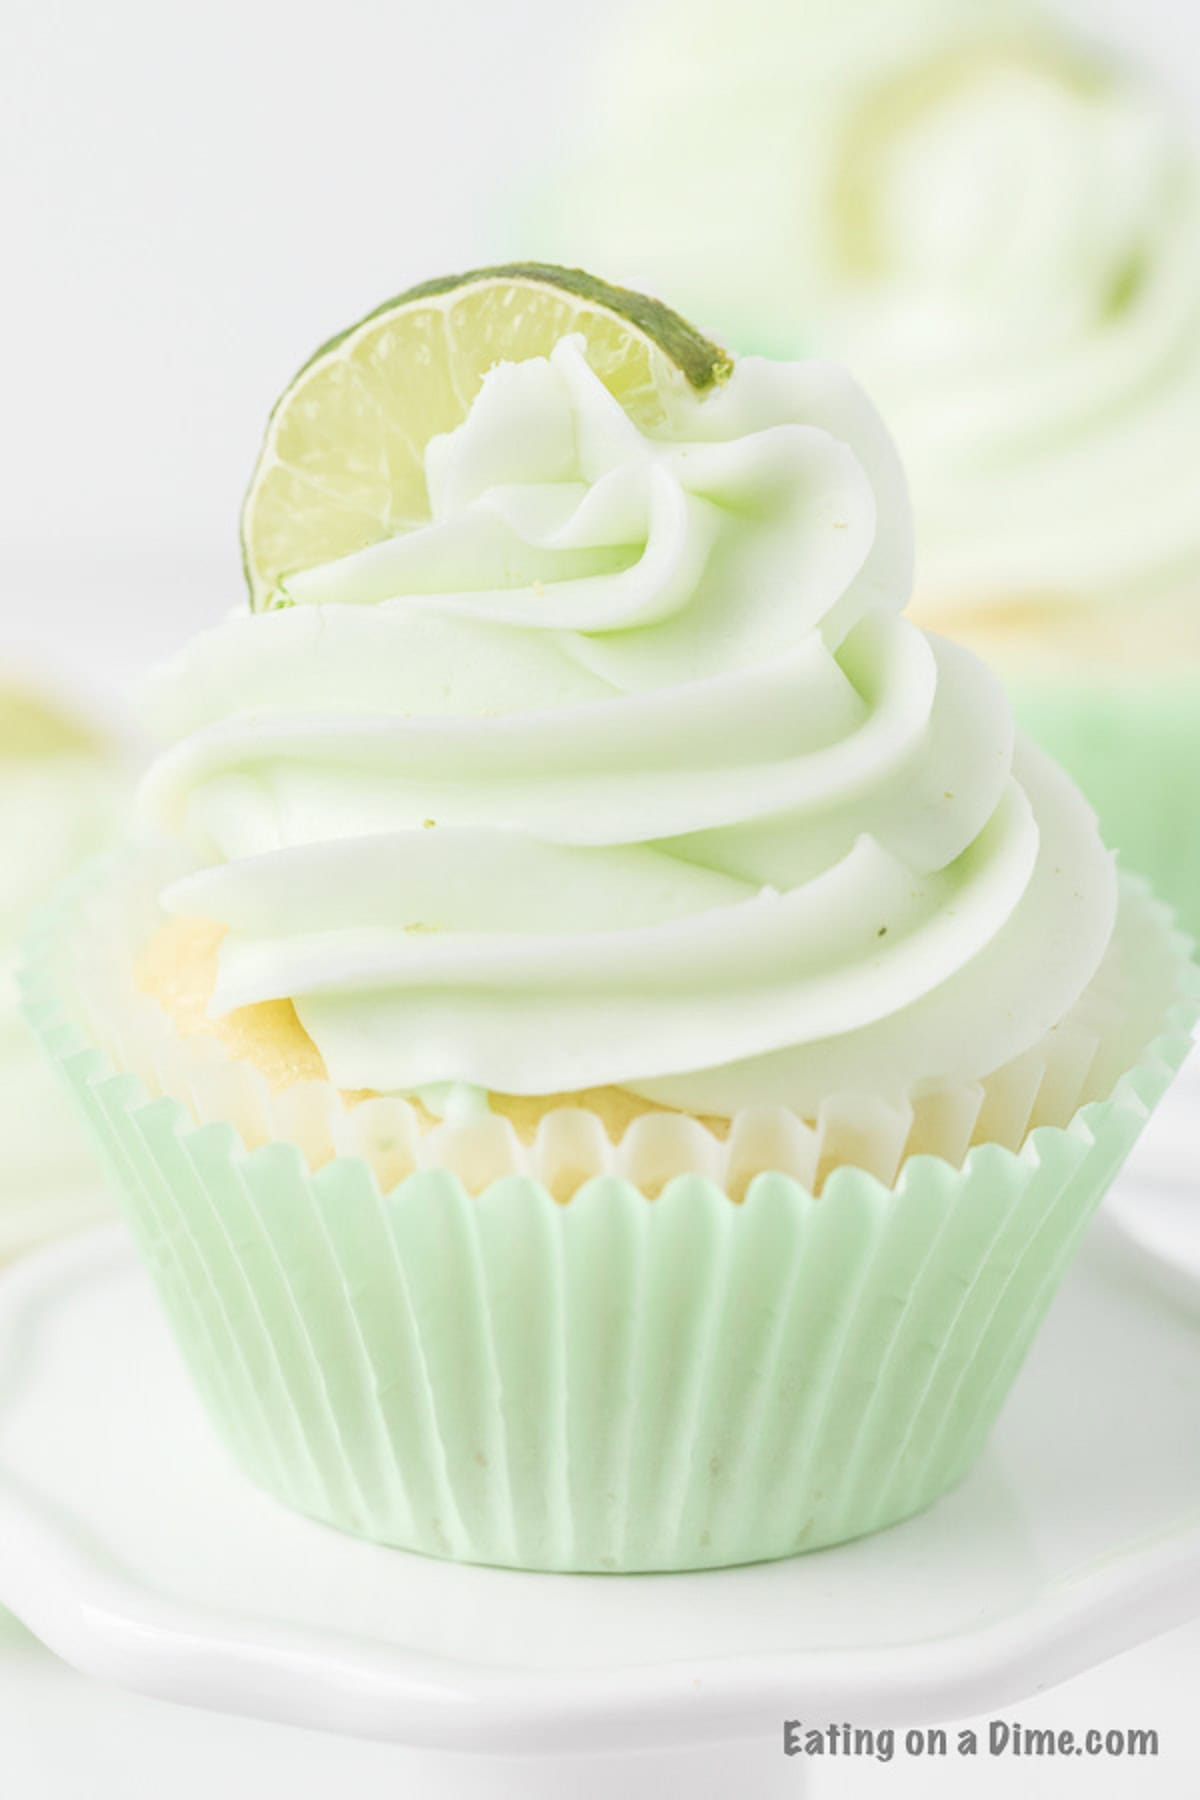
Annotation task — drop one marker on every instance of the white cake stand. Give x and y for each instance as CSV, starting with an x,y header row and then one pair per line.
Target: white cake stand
x,y
1158,1212
131,1546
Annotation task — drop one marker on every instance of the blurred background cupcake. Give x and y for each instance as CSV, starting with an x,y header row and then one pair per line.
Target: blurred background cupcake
x,y
996,222
60,784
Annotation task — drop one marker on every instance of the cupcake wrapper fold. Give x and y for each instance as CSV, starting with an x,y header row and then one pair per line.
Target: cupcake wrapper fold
x,y
624,1382
1079,1060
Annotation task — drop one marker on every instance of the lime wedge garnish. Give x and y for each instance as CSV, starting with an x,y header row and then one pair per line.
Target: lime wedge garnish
x,y
343,463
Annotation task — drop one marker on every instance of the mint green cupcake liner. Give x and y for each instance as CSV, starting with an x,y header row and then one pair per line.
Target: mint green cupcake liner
x,y
1133,745
619,1382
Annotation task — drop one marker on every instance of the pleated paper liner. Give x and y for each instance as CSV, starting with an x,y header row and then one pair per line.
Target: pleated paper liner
x,y
1132,742
1076,1062
622,1382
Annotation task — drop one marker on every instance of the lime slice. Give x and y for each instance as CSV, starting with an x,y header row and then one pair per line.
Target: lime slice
x,y
343,463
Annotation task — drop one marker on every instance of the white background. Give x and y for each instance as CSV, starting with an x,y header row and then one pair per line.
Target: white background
x,y
192,197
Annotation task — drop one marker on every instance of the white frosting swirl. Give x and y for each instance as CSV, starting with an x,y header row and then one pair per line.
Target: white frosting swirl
x,y
624,769
998,228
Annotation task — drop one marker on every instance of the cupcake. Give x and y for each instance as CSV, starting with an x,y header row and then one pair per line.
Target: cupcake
x,y
610,1039
59,788
998,226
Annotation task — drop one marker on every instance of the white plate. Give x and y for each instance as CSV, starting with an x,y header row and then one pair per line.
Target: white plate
x,y
1161,1226
1158,1210
27,1221
132,1547
1168,1151
67,1738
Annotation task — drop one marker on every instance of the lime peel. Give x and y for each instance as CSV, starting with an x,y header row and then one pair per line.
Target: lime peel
x,y
342,464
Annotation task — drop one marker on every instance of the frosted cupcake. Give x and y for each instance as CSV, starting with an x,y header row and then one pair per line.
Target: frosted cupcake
x,y
998,227
59,785
572,866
